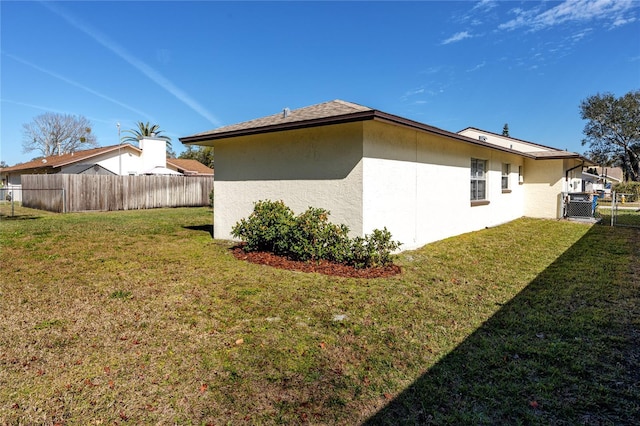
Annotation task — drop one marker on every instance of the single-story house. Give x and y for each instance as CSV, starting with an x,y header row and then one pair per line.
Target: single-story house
x,y
373,169
601,179
124,159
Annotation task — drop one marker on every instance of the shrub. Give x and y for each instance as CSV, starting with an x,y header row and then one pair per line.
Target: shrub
x,y
373,250
267,228
273,227
313,237
632,188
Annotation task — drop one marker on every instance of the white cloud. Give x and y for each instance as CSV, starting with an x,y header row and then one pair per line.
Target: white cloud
x,y
145,69
477,67
617,12
457,37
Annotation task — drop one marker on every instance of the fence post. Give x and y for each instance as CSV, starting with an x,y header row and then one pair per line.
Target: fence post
x,y
64,202
613,206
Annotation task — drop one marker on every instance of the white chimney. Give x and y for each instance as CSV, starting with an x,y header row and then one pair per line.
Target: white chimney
x,y
154,153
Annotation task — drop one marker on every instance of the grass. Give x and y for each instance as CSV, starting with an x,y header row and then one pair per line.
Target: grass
x,y
140,317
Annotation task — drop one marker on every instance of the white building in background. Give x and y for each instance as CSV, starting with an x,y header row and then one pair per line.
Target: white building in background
x,y
125,159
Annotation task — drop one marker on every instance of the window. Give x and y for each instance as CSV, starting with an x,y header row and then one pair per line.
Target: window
x,y
506,169
478,179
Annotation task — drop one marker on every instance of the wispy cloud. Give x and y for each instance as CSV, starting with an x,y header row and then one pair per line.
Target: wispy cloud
x,y
457,37
484,5
50,109
615,12
76,84
145,69
477,67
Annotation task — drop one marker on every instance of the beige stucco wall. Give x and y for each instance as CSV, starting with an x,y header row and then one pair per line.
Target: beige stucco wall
x,y
373,175
543,185
418,185
319,167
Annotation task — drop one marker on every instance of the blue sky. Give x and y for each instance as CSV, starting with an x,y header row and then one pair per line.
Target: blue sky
x,y
195,66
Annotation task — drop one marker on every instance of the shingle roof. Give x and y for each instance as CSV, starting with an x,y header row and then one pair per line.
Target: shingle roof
x,y
330,109
338,111
190,167
54,161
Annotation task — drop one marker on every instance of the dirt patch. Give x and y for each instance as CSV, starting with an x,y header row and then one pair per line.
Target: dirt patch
x,y
321,267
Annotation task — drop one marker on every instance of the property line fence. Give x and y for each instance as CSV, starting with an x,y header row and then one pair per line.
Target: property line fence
x,y
74,193
43,199
625,210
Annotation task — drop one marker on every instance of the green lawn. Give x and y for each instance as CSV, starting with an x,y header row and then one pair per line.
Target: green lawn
x,y
140,317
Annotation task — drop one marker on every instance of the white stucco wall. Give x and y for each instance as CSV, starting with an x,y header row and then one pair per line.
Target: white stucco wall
x,y
373,175
418,186
319,167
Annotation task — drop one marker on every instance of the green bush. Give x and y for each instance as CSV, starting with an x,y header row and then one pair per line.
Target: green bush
x,y
313,237
267,228
273,227
632,188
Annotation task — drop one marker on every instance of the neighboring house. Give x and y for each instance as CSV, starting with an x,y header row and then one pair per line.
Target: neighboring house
x,y
601,179
189,167
124,159
372,169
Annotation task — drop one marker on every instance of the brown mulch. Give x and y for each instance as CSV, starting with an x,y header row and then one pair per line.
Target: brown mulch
x,y
321,267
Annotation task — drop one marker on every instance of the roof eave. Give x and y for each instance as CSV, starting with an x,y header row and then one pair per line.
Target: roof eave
x,y
315,122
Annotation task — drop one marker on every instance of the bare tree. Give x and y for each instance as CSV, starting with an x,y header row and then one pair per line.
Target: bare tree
x,y
53,133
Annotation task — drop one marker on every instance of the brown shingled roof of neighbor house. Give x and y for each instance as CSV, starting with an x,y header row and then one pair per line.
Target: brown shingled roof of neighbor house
x,y
336,112
190,167
54,161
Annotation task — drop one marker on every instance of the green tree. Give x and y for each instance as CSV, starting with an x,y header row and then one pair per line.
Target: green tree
x,y
145,130
613,131
53,133
505,130
203,154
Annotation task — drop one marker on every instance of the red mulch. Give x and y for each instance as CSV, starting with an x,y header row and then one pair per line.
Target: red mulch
x,y
321,267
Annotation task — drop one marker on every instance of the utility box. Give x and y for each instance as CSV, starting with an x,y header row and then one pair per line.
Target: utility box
x,y
580,204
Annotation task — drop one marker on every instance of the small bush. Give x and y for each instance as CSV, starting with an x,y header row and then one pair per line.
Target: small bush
x,y
273,227
632,188
267,228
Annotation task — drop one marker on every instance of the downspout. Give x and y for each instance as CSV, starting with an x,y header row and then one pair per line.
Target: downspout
x,y
566,173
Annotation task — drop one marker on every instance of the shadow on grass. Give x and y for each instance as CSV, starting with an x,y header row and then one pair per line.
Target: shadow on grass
x,y
19,217
205,228
566,350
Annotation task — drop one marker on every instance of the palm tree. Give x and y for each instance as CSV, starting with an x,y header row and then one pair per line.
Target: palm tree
x,y
145,130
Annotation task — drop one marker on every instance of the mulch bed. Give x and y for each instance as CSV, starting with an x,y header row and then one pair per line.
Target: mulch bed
x,y
321,267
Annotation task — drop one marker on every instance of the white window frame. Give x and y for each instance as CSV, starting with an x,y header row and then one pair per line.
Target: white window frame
x,y
478,179
505,181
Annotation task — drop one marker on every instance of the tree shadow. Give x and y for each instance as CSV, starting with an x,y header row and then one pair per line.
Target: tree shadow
x,y
205,228
18,217
566,350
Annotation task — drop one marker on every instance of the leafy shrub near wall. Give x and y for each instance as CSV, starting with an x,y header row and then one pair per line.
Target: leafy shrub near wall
x,y
273,227
632,188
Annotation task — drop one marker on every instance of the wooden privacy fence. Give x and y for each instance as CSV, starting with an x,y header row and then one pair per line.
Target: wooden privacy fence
x,y
75,193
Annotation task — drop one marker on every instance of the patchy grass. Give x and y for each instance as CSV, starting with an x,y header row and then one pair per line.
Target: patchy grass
x,y
140,317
